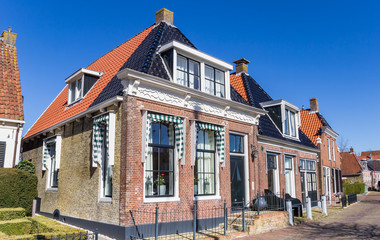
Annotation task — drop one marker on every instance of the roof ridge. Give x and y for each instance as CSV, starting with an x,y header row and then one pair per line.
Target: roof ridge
x,y
118,46
246,78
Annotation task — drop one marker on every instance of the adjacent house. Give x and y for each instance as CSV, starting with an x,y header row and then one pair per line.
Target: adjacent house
x,y
370,161
315,126
11,101
355,170
153,122
286,158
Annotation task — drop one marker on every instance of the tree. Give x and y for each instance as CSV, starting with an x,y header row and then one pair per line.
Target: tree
x,y
27,166
343,144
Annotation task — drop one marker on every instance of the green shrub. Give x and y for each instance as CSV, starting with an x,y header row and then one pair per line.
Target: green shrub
x,y
11,213
27,166
351,188
16,227
18,188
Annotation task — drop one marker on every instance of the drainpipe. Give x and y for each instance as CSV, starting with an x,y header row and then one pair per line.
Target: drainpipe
x,y
16,143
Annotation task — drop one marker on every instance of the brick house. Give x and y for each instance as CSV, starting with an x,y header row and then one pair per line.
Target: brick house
x,y
370,161
286,158
11,101
324,137
354,169
153,122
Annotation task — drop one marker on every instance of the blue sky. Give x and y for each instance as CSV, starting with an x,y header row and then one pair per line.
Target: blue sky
x,y
298,49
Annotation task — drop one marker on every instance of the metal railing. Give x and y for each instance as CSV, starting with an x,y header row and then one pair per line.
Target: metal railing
x,y
349,199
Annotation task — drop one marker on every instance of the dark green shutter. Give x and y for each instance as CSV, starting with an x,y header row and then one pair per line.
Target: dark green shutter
x,y
2,153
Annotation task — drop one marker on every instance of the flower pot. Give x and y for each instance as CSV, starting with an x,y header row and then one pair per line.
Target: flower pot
x,y
162,190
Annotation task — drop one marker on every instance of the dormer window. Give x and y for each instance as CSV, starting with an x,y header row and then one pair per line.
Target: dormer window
x,y
285,116
80,84
192,68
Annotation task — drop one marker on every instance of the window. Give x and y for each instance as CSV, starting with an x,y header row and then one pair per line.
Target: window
x,y
103,152
75,90
273,178
204,169
159,170
326,180
188,73
333,149
289,176
80,83
51,160
328,148
2,153
236,143
214,81
290,124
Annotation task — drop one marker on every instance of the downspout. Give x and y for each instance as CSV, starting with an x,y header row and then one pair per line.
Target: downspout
x,y
15,149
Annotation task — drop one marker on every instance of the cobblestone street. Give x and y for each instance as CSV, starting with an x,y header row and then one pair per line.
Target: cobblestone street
x,y
358,221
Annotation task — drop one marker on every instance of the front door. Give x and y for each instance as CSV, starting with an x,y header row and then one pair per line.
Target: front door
x,y
312,187
237,179
303,187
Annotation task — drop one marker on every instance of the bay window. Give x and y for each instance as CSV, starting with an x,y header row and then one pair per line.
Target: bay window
x,y
188,73
159,170
204,169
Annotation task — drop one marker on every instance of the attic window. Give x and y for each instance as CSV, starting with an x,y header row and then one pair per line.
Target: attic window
x,y
80,84
285,116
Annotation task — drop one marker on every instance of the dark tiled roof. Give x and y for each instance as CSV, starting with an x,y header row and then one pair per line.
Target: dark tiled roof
x,y
323,120
256,95
235,96
11,105
373,165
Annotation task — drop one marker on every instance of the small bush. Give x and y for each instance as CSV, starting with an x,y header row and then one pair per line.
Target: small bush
x,y
16,227
351,188
27,166
18,188
11,213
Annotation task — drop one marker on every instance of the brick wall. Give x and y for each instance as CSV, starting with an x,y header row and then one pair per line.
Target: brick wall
x,y
78,185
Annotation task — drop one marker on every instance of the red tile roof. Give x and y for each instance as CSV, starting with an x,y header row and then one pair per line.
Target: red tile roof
x,y
310,125
237,82
369,157
367,153
350,164
11,106
109,64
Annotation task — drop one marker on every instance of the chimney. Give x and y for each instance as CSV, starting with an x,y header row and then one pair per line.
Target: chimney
x,y
164,15
9,37
351,150
241,66
314,106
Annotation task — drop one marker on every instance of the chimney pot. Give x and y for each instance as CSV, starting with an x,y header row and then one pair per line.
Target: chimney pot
x,y
351,150
164,15
241,66
314,106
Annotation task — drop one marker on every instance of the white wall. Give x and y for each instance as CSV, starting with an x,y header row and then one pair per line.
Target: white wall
x,y
8,135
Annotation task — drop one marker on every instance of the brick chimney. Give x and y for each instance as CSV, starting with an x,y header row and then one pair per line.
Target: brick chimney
x,y
241,66
164,15
9,37
314,106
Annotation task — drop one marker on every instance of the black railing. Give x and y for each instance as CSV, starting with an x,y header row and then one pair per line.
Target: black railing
x,y
349,199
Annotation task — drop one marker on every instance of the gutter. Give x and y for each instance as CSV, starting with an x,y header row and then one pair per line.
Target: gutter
x,y
88,111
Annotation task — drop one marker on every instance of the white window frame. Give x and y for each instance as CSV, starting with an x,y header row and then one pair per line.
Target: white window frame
x,y
203,59
291,172
246,163
58,146
111,160
328,148
327,182
77,95
333,149
276,171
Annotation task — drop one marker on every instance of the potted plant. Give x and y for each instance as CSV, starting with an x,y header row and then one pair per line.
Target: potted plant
x,y
196,181
160,183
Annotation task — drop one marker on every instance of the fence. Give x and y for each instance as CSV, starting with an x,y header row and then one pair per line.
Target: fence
x,y
198,221
349,199
67,236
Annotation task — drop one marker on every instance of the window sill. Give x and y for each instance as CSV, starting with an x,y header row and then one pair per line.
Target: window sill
x,y
52,190
105,200
204,198
161,199
291,137
75,102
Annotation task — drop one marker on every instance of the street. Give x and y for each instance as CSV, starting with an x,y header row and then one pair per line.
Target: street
x,y
358,221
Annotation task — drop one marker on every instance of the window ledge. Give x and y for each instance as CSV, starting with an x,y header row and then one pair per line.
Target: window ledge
x,y
75,102
161,199
291,137
105,200
203,198
52,190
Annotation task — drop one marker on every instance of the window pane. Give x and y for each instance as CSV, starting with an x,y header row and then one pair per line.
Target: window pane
x,y
209,73
72,92
208,159
288,162
219,76
239,144
149,161
166,159
182,78
209,184
271,161
219,90
200,163
155,133
193,68
155,158
108,181
182,63
209,140
232,143
209,87
79,89
286,122
292,124
200,139
167,134
193,81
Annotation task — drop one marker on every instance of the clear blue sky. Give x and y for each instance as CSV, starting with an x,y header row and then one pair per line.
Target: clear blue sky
x,y
298,49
